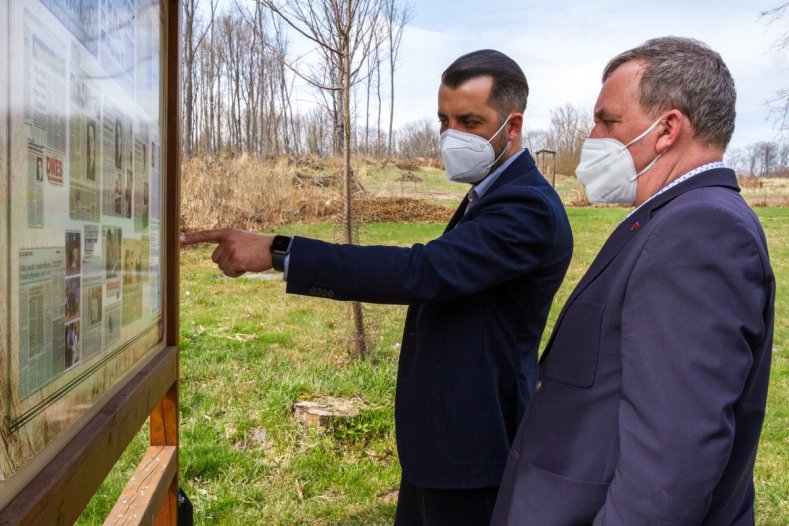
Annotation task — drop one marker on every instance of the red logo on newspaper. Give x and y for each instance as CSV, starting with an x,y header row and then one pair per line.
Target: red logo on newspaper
x,y
54,170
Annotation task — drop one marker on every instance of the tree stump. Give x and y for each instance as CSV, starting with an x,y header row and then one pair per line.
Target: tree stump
x,y
325,410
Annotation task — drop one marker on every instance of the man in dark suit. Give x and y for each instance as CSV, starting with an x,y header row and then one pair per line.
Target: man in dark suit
x,y
653,384
478,296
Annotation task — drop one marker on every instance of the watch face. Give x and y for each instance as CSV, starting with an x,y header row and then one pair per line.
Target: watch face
x,y
280,244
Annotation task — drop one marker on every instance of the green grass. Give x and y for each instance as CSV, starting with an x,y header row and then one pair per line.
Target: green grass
x,y
434,186
248,351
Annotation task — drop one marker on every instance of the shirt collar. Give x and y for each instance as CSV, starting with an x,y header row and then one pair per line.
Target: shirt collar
x,y
680,179
480,188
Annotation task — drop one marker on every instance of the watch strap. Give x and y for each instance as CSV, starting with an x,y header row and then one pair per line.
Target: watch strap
x,y
280,247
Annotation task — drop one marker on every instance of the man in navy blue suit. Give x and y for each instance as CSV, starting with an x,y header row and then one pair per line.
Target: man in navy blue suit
x,y
653,385
478,296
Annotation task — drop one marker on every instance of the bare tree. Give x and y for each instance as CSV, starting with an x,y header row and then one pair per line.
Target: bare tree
x,y
419,139
569,128
192,41
768,153
751,160
779,104
345,32
536,140
736,159
396,16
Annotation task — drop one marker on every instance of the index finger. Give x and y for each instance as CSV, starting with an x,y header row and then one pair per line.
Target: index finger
x,y
203,236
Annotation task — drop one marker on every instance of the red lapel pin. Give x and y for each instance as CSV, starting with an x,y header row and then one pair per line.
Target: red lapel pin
x,y
634,228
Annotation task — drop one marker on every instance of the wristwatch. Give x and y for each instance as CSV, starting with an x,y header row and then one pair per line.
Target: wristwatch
x,y
280,247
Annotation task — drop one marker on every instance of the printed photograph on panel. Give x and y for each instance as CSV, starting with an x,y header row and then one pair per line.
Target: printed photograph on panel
x,y
113,247
73,352
45,97
132,281
81,18
127,194
90,149
35,187
93,277
112,324
141,198
94,306
72,298
42,278
118,144
83,149
155,210
115,164
73,253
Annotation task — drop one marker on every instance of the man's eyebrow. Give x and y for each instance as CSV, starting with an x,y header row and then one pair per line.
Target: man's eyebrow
x,y
470,115
603,115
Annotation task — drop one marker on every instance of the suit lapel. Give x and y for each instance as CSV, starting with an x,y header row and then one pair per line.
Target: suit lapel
x,y
629,228
461,210
619,238
522,165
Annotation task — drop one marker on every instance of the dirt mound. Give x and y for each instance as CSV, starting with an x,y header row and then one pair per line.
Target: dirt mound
x,y
408,177
400,210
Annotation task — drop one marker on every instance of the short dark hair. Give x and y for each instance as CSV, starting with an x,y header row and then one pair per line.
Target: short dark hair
x,y
685,74
509,91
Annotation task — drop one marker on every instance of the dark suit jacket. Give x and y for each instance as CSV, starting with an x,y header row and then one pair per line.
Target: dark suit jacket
x,y
654,381
479,296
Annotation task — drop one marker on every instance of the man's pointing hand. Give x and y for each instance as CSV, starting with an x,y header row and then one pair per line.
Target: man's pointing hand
x,y
237,251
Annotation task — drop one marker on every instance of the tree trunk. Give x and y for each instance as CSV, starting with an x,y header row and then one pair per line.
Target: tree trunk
x,y
359,343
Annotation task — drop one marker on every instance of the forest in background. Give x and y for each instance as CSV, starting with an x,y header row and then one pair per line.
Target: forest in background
x,y
242,79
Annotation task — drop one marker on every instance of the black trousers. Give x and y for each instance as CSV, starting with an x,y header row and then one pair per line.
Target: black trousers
x,y
444,507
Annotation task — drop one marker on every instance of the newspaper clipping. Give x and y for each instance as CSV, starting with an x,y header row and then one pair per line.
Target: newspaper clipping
x,y
45,97
93,293
117,41
35,187
42,343
83,145
80,17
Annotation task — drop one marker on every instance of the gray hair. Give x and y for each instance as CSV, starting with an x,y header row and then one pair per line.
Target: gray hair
x,y
685,74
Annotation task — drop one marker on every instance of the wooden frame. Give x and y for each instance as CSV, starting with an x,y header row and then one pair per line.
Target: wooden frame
x,y
59,491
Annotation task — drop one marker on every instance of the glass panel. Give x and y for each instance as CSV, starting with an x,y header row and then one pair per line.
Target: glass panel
x,y
82,97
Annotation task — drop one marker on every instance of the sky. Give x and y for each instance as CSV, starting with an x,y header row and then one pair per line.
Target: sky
x,y
563,46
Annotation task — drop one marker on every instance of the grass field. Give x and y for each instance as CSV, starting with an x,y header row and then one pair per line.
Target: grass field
x,y
248,351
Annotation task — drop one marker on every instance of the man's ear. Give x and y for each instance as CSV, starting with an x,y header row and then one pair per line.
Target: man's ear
x,y
514,126
670,129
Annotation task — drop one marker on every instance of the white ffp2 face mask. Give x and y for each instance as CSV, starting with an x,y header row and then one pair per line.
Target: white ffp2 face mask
x,y
607,171
468,157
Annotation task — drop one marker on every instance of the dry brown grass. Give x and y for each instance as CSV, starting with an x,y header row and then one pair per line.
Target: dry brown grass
x,y
251,193
577,198
257,194
410,165
765,191
750,182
